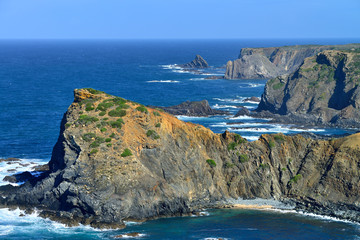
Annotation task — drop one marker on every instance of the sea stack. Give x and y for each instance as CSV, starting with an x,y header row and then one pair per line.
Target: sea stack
x,y
198,62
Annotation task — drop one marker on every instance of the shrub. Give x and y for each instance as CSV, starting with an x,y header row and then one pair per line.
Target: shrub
x,y
109,145
89,107
85,119
159,109
104,106
243,158
290,160
264,165
126,153
67,125
283,169
112,135
87,137
156,114
93,91
158,125
295,179
211,162
105,118
142,109
117,113
271,144
117,124
94,151
278,86
232,146
152,134
123,106
108,140
279,138
97,142
103,129
102,114
118,100
229,165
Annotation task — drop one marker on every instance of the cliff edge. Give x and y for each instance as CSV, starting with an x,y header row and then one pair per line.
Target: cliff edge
x,y
259,63
117,160
324,90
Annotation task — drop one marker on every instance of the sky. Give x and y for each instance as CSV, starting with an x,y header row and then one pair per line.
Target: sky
x,y
178,19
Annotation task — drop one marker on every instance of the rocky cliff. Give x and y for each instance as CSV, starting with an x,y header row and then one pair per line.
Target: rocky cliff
x,y
255,63
117,160
198,62
323,90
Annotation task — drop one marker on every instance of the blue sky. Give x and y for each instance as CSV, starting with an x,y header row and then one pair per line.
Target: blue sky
x,y
176,19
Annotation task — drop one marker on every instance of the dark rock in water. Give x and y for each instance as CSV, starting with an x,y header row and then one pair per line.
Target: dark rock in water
x,y
41,168
195,108
242,112
198,62
252,99
10,160
160,166
20,177
323,91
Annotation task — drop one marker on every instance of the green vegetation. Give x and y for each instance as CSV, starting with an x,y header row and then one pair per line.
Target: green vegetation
x,y
97,142
108,140
271,144
243,158
159,109
229,165
103,129
87,137
112,135
142,109
104,106
278,86
283,169
126,153
211,162
238,140
295,179
232,146
67,125
118,101
93,91
102,114
279,138
85,119
117,124
117,113
156,114
289,160
264,165
109,145
94,151
158,125
152,134
89,107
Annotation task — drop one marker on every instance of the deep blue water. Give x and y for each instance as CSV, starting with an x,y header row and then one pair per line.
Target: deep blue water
x,y
37,79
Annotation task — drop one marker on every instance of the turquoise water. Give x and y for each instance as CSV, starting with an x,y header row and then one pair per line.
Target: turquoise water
x,y
36,83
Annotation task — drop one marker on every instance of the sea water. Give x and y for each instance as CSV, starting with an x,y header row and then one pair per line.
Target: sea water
x,y
37,79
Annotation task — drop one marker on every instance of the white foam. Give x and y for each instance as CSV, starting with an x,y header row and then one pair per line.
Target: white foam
x,y
188,118
198,79
128,236
162,81
245,118
217,106
230,100
251,102
19,166
251,138
170,66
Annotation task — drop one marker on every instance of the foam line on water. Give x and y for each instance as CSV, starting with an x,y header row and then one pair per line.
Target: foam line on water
x,y
162,81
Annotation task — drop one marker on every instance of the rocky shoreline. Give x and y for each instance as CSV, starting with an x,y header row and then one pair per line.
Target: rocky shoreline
x,y
116,160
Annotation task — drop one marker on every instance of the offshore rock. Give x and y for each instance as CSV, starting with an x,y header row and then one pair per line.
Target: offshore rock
x,y
194,108
117,160
259,63
324,90
198,62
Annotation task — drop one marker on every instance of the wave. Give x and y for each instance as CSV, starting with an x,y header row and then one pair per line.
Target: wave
x,y
170,66
15,167
264,128
251,85
198,79
230,100
217,106
162,81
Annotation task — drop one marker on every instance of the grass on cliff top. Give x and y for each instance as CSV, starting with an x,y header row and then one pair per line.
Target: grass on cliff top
x,y
93,91
85,119
142,109
126,153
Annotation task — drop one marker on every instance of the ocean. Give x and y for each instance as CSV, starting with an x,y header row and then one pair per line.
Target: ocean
x,y
37,79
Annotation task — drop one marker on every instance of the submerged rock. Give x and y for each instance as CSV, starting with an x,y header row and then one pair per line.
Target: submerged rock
x,y
117,160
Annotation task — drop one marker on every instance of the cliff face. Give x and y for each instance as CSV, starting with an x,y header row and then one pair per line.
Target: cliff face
x,y
255,63
323,90
117,160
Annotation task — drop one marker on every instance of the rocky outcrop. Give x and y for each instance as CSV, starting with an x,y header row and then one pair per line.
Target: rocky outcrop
x,y
117,160
324,90
193,108
258,63
198,62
